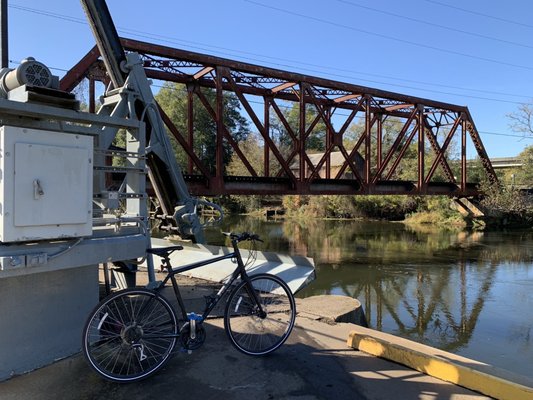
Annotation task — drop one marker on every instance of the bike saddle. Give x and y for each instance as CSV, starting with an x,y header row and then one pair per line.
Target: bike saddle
x,y
164,251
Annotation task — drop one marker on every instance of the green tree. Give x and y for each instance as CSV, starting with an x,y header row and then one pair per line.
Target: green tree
x,y
524,176
173,100
253,151
316,141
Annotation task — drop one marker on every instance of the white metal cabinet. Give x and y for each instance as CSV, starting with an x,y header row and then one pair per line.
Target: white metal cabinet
x,y
45,184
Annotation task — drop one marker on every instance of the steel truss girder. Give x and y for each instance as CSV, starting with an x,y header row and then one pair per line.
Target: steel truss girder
x,y
369,166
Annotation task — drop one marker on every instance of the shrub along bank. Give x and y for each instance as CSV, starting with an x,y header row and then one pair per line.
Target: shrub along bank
x,y
502,206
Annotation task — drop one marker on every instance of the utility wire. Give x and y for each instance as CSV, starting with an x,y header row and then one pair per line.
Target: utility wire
x,y
143,34
392,38
150,35
509,21
435,25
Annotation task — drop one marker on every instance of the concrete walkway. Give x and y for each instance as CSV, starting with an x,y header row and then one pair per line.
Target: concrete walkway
x,y
315,363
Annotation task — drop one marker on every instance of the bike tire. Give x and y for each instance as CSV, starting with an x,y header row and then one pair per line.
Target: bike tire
x,y
251,333
130,335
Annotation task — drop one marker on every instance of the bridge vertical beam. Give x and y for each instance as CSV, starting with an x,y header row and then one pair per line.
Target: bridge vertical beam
x,y
368,139
219,120
421,148
329,136
463,151
266,125
92,95
190,125
379,140
302,132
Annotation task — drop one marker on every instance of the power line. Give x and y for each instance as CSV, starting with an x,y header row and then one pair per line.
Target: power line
x,y
505,134
142,34
435,25
509,21
49,14
148,35
380,35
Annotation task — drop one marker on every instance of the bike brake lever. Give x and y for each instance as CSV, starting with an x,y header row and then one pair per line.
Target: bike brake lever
x,y
256,238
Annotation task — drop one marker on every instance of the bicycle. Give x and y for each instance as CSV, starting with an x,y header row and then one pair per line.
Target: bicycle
x,y
132,333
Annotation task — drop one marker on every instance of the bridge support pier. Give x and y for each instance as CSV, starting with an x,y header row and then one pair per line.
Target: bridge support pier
x,y
468,208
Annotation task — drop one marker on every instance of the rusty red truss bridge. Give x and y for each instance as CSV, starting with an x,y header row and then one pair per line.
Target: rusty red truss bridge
x,y
371,141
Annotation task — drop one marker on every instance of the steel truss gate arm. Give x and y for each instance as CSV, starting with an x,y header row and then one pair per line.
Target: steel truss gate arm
x,y
128,76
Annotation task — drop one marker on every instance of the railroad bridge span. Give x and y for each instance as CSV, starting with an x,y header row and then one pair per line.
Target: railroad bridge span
x,y
384,127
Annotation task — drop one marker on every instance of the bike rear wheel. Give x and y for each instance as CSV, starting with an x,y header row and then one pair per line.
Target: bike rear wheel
x,y
130,335
250,331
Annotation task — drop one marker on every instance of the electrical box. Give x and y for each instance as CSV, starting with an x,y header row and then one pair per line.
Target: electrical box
x,y
45,184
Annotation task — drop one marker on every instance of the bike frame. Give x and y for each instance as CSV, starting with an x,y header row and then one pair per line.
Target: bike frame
x,y
240,270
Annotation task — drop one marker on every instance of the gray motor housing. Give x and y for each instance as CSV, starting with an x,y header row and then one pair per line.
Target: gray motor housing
x,y
29,72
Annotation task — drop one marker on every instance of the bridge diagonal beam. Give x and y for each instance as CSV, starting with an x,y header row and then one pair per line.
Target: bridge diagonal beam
x,y
295,139
186,146
259,125
333,144
480,148
296,145
394,146
225,132
343,129
441,153
403,149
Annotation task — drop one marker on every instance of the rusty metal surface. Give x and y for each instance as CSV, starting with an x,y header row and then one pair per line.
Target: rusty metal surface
x,y
374,161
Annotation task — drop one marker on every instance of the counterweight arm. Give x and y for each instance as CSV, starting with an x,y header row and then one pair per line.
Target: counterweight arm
x,y
165,174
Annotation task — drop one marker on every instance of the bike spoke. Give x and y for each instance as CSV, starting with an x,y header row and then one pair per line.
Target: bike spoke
x,y
260,328
115,342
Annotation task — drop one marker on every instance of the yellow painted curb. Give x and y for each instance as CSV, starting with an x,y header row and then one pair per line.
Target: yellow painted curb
x,y
449,367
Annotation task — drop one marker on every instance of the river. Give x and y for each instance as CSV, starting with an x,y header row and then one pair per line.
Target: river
x,y
469,293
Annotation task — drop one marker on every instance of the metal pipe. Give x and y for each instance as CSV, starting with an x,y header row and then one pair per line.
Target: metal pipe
x,y
4,48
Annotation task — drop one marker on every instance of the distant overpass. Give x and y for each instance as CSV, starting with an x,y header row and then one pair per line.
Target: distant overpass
x,y
506,162
500,162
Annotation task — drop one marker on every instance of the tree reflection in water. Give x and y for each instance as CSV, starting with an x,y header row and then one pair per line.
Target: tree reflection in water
x,y
431,286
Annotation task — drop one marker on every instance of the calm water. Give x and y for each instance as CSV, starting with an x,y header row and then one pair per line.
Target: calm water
x,y
470,293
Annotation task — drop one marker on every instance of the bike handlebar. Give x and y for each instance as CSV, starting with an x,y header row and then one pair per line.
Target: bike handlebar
x,y
240,237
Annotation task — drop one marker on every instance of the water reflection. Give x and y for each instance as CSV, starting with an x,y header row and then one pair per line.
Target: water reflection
x,y
464,292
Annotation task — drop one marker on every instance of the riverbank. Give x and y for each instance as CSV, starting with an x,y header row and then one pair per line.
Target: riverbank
x,y
503,207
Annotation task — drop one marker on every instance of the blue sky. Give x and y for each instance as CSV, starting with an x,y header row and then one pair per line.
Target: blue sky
x,y
474,53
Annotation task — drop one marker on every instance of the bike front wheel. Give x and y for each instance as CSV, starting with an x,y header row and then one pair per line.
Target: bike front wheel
x,y
260,328
130,335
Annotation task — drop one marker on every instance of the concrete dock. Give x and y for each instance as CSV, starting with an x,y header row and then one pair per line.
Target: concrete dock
x,y
317,362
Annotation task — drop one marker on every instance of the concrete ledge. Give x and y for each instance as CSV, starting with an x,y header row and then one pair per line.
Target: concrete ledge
x,y
331,309
462,371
